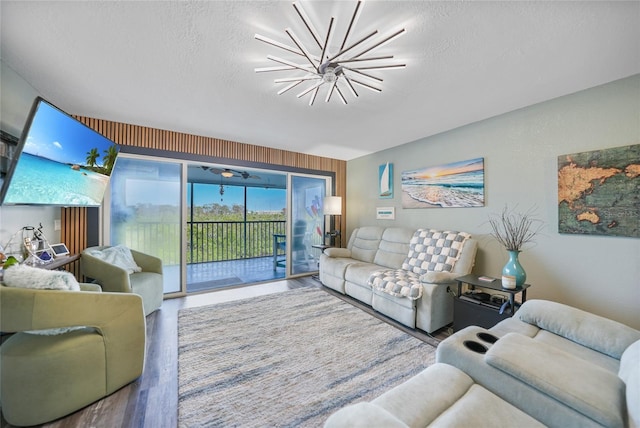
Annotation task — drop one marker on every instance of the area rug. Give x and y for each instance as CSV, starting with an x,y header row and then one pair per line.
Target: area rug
x,y
288,359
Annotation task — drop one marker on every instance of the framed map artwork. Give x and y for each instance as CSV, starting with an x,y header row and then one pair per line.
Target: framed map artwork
x,y
599,192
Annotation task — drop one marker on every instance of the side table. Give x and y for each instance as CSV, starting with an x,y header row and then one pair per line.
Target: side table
x,y
479,309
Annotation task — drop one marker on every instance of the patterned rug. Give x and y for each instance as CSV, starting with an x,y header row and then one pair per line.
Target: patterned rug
x,y
288,359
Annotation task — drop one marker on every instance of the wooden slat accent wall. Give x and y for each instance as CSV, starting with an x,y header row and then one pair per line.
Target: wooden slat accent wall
x,y
73,232
74,219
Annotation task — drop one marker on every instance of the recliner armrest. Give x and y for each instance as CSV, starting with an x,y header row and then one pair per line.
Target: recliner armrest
x,y
601,334
585,387
439,277
337,252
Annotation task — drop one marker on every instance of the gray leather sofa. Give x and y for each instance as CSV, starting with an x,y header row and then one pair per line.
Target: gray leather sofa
x,y
371,249
550,364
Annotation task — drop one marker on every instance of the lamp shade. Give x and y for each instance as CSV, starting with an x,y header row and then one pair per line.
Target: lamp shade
x,y
332,205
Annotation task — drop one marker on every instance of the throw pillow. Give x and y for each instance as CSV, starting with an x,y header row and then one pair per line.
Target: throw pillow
x,y
118,255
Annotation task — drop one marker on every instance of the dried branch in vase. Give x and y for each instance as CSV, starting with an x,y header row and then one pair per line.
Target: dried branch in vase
x,y
513,230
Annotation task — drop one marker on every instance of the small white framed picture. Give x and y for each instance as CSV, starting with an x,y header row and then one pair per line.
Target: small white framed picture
x,y
385,213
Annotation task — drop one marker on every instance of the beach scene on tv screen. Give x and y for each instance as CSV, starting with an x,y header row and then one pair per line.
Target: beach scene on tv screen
x,y
62,162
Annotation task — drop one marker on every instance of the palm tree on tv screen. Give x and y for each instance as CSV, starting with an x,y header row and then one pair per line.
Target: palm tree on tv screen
x,y
92,155
109,159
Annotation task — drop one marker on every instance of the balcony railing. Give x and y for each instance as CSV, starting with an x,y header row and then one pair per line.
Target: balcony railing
x,y
212,241
207,241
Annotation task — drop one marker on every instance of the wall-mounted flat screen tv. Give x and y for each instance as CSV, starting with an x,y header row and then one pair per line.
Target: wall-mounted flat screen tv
x,y
58,161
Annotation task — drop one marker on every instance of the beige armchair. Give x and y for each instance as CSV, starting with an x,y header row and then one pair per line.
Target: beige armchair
x,y
148,283
45,377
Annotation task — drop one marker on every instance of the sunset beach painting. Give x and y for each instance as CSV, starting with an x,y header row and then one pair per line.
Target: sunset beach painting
x,y
455,185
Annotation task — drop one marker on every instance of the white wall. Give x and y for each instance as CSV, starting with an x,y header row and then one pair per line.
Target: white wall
x,y
16,99
520,149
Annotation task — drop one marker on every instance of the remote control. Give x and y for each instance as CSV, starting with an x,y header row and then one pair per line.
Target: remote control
x,y
486,278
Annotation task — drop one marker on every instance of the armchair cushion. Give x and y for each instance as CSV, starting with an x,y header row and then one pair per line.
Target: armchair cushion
x,y
118,255
23,276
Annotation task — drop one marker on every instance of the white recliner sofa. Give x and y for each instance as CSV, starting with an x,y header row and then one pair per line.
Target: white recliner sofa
x,y
563,366
550,364
374,249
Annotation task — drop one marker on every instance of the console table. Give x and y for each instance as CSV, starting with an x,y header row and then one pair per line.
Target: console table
x,y
58,262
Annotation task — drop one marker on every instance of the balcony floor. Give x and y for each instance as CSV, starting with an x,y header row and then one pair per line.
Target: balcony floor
x,y
215,275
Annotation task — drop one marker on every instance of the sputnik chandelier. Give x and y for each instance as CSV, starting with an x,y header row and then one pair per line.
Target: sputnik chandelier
x,y
336,69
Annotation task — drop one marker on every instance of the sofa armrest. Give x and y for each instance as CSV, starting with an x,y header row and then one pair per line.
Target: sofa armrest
x,y
601,334
147,262
110,277
337,252
118,317
84,286
439,277
585,387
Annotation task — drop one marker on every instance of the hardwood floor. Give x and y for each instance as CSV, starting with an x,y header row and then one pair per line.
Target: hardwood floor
x,y
152,400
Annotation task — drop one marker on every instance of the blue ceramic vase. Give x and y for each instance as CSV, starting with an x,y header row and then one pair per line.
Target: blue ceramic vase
x,y
513,274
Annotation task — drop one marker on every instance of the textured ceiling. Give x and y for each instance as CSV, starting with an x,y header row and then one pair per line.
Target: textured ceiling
x,y
189,66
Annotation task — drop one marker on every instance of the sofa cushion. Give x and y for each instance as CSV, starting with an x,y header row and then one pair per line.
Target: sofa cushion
x,y
364,243
397,282
434,251
359,272
393,247
588,389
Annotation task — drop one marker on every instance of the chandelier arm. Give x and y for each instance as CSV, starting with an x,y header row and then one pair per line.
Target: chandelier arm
x,y
277,68
326,40
350,85
294,79
353,19
386,40
307,23
344,100
291,86
301,47
373,58
380,67
289,63
313,96
362,40
330,91
373,88
355,70
278,44
311,88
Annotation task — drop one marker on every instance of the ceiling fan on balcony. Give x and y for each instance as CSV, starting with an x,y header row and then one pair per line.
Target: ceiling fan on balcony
x,y
228,173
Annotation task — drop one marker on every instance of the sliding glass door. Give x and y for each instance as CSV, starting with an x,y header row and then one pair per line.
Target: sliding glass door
x,y
306,224
144,212
215,227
